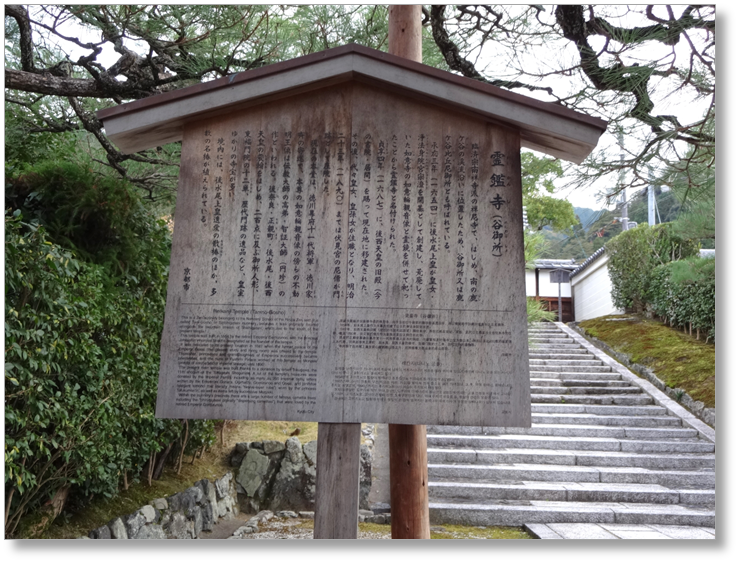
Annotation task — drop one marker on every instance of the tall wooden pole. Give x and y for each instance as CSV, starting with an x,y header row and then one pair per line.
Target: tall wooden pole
x,y
409,493
337,481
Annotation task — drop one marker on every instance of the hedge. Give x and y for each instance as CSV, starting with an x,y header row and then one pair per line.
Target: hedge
x,y
683,294
633,256
85,289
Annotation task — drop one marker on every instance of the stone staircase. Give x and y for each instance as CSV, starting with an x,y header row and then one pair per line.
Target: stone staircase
x,y
604,448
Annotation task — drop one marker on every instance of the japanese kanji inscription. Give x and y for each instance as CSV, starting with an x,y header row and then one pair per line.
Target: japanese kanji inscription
x,y
348,255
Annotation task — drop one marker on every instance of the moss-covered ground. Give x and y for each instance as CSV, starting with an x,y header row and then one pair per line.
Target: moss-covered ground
x,y
676,358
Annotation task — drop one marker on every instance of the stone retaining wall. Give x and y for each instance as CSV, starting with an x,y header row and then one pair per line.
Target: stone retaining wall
x,y
271,476
277,476
698,408
183,515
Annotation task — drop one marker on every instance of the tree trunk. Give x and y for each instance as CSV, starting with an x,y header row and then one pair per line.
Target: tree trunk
x,y
182,451
159,469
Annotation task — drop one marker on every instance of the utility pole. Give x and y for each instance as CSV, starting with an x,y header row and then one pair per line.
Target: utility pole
x,y
624,205
409,493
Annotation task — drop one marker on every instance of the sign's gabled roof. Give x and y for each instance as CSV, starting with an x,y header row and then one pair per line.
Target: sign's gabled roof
x,y
544,126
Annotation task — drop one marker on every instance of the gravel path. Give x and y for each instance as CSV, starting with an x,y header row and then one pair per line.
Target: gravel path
x,y
278,529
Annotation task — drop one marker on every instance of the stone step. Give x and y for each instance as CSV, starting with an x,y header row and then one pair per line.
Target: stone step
x,y
478,491
584,390
568,362
578,354
573,473
599,451
544,348
685,462
497,441
605,420
581,375
599,410
562,382
504,513
569,368
579,431
544,397
541,341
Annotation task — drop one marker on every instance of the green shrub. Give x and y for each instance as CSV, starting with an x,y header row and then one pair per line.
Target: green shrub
x,y
85,289
683,293
633,256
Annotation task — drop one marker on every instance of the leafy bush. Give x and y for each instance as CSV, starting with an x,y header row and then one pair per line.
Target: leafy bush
x,y
683,293
634,254
85,288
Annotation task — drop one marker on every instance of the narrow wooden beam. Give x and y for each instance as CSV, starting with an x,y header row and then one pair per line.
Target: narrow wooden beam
x,y
337,481
409,493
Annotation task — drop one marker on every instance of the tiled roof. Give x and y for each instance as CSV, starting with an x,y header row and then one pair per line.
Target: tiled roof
x,y
551,264
589,261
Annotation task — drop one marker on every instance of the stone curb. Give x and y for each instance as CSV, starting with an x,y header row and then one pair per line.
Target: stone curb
x,y
661,398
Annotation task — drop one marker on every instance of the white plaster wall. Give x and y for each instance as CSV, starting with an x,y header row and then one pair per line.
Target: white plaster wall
x,y
592,289
530,283
547,289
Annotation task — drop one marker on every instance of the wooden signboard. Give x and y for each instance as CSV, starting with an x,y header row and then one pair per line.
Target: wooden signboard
x,y
347,254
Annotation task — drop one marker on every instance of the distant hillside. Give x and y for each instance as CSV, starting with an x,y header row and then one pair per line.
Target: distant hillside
x,y
586,215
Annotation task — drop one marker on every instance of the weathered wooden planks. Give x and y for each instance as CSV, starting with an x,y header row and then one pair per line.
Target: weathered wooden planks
x,y
351,255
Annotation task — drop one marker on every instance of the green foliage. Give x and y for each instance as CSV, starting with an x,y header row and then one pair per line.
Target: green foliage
x,y
668,206
537,180
99,217
683,293
85,287
534,244
543,211
538,173
535,312
634,254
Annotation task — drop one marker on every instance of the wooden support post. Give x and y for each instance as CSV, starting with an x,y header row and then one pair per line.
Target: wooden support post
x,y
404,32
409,493
337,481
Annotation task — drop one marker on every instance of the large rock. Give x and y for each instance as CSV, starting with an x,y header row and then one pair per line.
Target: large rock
x,y
101,533
208,515
118,529
209,504
160,504
223,485
179,527
196,515
256,476
253,471
295,483
133,523
183,501
311,450
150,532
365,476
272,446
238,453
149,513
196,493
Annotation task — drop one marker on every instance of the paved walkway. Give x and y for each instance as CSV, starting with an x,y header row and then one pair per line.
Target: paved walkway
x,y
619,532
